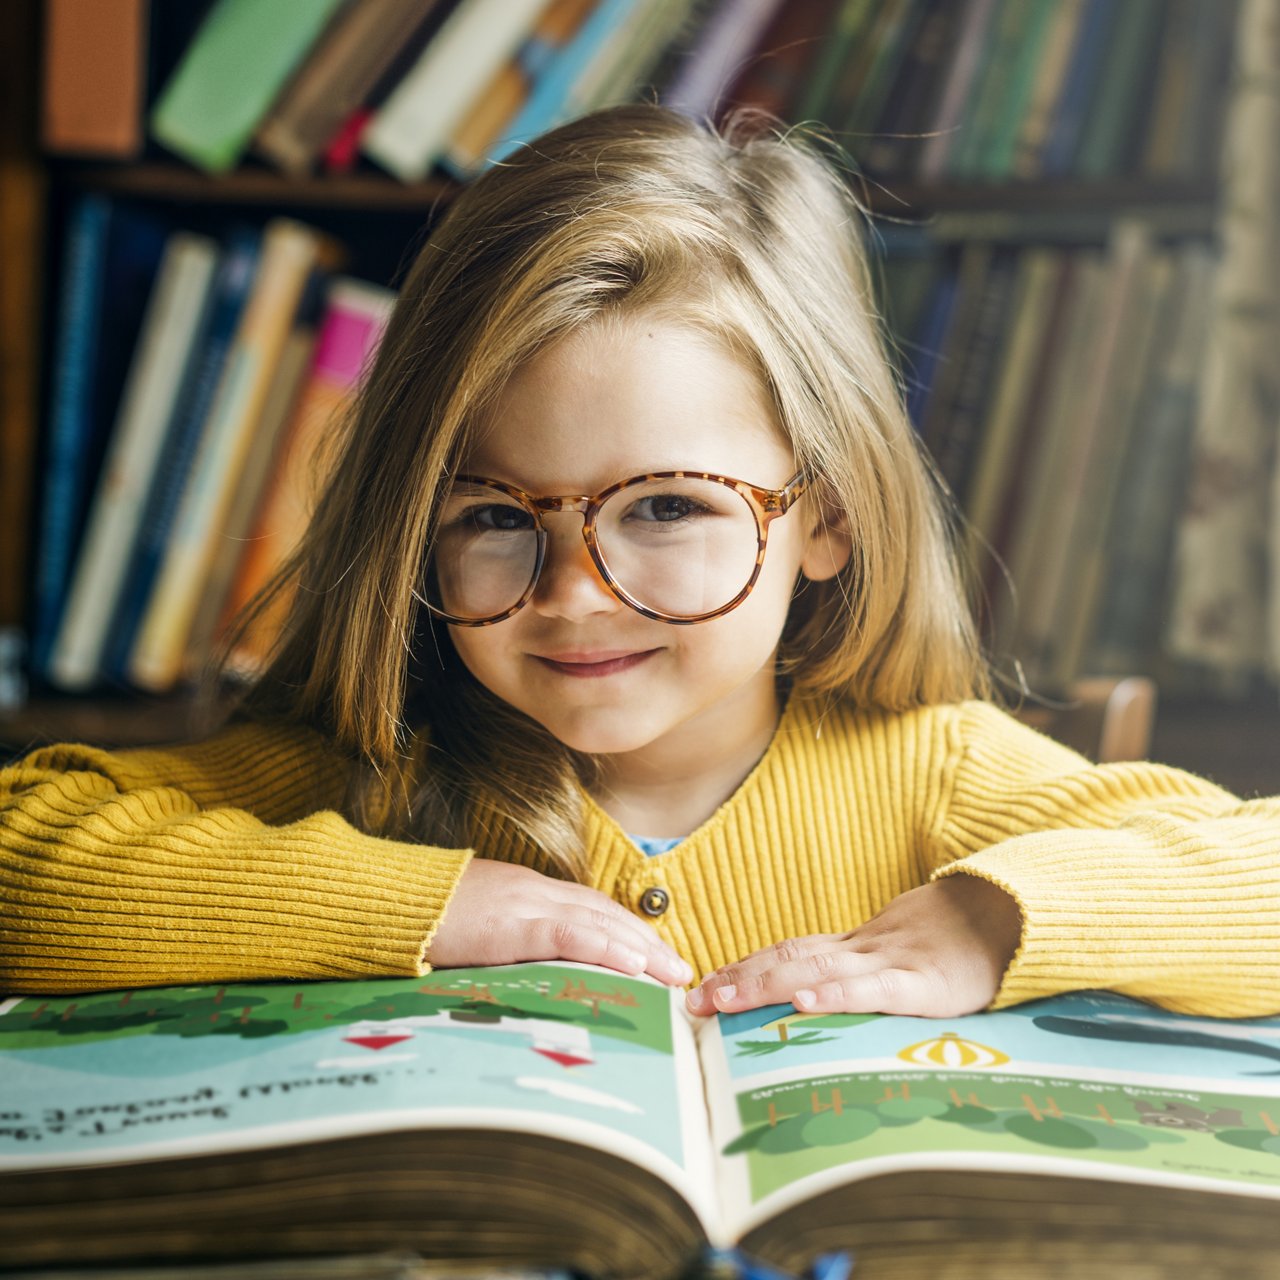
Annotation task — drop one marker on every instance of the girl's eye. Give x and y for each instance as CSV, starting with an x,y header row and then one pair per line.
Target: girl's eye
x,y
666,508
497,516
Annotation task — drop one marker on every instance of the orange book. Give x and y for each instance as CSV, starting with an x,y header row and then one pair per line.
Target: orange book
x,y
95,71
354,318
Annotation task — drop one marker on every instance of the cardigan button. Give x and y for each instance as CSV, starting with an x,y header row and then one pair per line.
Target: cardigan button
x,y
653,902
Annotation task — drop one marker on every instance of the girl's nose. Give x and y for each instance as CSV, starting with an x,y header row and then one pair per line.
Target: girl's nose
x,y
570,585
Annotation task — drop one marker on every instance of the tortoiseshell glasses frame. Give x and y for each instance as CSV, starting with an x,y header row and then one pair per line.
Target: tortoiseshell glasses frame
x,y
767,505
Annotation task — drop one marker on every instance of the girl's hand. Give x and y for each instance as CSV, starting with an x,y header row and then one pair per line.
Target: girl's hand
x,y
501,913
936,952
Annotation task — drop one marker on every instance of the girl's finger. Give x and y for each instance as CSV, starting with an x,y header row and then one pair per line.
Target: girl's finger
x,y
582,934
566,938
771,976
610,917
890,990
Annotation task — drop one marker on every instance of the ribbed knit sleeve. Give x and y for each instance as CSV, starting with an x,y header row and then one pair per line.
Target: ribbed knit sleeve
x,y
1133,877
221,861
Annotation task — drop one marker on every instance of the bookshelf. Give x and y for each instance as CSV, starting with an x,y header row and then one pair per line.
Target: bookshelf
x,y
379,219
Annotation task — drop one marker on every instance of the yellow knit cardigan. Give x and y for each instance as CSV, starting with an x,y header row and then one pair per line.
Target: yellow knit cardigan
x,y
227,860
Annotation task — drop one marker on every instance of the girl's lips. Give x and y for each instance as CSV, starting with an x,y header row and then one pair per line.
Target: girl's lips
x,y
590,666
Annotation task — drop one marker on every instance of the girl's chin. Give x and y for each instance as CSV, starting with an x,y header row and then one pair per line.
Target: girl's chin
x,y
599,740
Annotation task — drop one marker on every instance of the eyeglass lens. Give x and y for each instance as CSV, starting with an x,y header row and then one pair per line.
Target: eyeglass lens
x,y
682,547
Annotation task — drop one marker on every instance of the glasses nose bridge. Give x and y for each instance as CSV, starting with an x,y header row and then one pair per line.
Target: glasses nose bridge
x,y
565,504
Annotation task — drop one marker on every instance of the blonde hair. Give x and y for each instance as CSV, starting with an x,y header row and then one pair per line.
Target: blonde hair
x,y
747,234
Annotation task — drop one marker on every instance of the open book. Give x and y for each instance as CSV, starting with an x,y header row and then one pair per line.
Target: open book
x,y
563,1115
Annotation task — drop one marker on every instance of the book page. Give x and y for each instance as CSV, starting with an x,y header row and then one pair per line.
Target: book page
x,y
1089,1085
571,1051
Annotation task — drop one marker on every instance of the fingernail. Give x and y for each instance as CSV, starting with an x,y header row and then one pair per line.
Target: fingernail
x,y
636,961
724,994
680,970
695,1000
804,999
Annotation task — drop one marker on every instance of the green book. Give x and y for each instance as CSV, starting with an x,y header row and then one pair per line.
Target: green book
x,y
556,1115
230,75
851,19
1118,113
999,58
997,150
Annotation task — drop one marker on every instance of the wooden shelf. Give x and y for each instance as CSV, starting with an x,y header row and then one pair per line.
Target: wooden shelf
x,y
1179,201
256,186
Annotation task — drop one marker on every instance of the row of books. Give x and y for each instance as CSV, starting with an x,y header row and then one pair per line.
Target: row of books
x,y
1056,388
999,90
974,90
303,84
196,382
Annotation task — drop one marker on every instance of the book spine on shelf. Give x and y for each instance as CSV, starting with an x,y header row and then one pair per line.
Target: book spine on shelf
x,y
1153,478
230,74
995,155
945,130
1049,577
95,77
1079,598
995,470
352,55
551,92
1116,118
854,71
631,55
408,134
1009,37
720,49
355,316
1212,62
933,331
176,316
234,539
289,253
775,77
914,101
232,282
74,356
1172,89
973,387
848,24
1051,74
488,128
112,257
1058,155
1050,433
887,63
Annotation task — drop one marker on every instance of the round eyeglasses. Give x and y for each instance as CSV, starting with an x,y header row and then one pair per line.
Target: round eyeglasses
x,y
677,546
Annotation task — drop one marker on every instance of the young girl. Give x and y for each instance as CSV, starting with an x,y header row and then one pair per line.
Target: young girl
x,y
627,631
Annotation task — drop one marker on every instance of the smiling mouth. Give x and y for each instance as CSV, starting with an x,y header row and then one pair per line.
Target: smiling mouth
x,y
592,667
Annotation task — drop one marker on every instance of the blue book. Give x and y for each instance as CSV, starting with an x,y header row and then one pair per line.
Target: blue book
x,y
1088,58
111,257
548,103
933,336
231,289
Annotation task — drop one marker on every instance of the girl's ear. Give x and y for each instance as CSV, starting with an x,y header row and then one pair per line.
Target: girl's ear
x,y
828,546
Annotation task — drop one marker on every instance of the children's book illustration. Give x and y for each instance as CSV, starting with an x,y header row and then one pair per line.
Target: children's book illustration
x,y
1093,1077
239,1057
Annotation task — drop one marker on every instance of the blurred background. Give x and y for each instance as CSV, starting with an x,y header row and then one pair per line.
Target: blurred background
x,y
206,205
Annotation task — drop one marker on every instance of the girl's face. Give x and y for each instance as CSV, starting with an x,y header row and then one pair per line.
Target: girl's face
x,y
619,398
